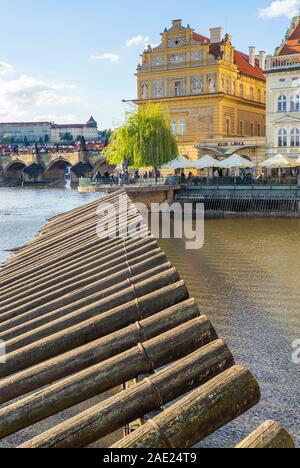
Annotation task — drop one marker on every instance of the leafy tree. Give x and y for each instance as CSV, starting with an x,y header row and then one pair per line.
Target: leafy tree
x,y
46,139
145,140
6,139
67,137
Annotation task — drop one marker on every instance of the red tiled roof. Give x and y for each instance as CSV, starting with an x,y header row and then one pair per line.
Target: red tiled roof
x,y
292,46
241,59
200,38
243,64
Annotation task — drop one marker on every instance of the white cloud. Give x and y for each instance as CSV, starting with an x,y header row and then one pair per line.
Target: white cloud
x,y
114,58
23,96
278,8
6,69
58,118
137,41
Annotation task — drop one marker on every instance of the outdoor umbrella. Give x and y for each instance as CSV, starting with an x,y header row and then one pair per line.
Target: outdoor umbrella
x,y
179,163
277,162
237,162
206,162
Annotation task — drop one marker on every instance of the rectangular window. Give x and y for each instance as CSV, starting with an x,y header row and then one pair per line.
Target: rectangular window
x,y
181,127
177,88
228,126
241,128
259,130
174,127
252,129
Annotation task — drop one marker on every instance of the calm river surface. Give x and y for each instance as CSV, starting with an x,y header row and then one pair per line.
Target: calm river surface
x,y
246,279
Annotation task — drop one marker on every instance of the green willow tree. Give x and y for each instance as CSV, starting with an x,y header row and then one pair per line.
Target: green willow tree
x,y
145,140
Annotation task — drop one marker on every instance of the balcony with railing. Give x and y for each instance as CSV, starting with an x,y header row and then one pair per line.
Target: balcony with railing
x,y
283,62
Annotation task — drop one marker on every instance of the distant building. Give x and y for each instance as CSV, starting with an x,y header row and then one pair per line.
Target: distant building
x,y
20,132
89,131
213,93
35,132
283,95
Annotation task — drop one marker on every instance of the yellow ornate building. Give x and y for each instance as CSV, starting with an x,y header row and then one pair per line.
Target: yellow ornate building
x,y
215,94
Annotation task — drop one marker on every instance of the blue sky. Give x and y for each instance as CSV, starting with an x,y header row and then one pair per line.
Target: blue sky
x,y
65,60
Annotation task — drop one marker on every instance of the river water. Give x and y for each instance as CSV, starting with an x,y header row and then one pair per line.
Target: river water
x,y
246,279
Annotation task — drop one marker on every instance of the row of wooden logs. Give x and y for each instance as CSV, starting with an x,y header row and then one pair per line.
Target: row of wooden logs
x,y
83,312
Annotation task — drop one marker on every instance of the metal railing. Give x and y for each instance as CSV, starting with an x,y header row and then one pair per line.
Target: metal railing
x,y
122,181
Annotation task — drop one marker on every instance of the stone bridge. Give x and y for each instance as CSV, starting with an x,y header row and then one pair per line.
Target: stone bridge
x,y
47,167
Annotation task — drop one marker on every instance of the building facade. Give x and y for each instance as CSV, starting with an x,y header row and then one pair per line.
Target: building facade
x,y
36,132
20,132
89,131
283,95
211,91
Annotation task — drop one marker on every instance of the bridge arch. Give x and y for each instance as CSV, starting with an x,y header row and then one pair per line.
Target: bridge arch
x,y
14,169
57,169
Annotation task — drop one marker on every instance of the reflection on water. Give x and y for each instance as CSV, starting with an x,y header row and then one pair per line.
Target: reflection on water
x,y
246,279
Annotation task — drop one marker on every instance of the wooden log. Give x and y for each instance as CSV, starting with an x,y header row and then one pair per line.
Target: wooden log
x,y
92,353
135,402
48,304
94,328
68,275
59,249
270,435
105,376
68,313
64,264
198,415
44,245
92,273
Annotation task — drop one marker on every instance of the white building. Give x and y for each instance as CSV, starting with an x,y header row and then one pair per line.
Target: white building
x,y
20,132
283,95
89,131
36,132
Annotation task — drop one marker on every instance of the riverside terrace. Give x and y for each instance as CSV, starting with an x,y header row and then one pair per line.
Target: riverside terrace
x,y
221,196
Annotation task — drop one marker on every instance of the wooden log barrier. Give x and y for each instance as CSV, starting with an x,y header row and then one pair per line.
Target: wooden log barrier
x,y
60,265
106,375
100,350
201,413
98,303
94,328
134,403
270,435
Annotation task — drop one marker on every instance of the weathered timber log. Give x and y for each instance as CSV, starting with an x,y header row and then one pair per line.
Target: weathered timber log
x,y
42,245
61,265
47,304
195,417
270,435
159,351
92,353
94,328
137,401
81,270
96,304
99,269
61,248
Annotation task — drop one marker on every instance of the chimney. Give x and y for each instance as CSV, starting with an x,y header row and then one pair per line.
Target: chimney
x,y
262,60
216,35
252,51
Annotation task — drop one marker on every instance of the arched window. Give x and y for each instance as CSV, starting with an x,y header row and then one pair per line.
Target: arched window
x,y
282,137
295,137
282,104
295,103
